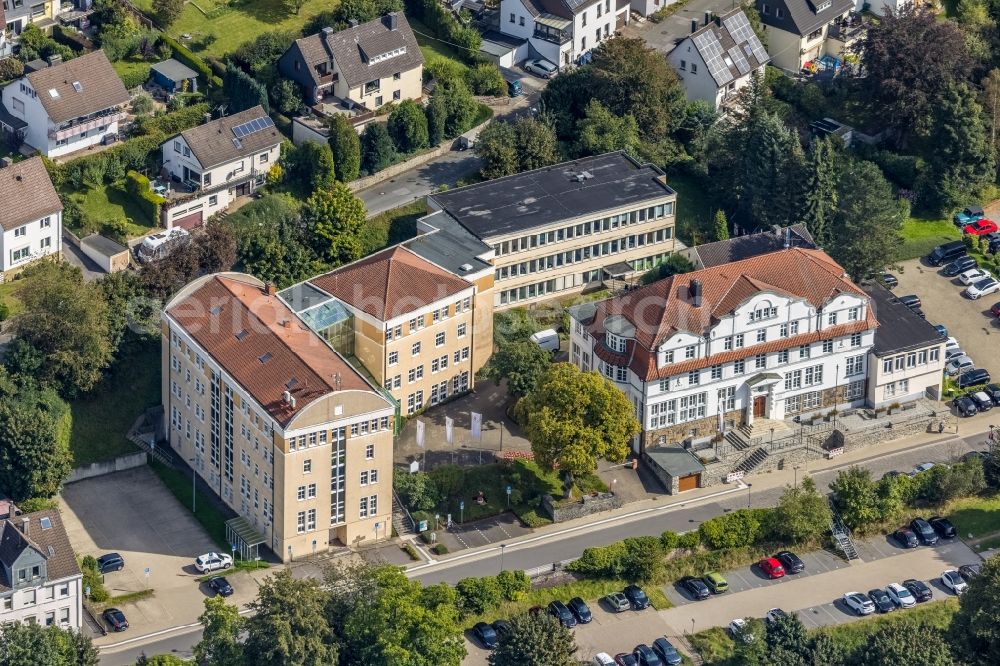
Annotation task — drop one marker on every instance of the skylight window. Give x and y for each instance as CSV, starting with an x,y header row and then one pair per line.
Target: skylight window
x,y
46,523
264,358
53,93
242,334
77,86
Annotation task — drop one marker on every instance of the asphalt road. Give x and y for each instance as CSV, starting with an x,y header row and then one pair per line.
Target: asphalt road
x,y
417,183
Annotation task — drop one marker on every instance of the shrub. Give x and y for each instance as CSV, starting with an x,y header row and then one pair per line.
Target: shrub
x,y
142,104
411,551
418,491
138,186
135,77
601,561
486,79
513,585
643,559
440,549
689,540
731,530
92,579
669,540
71,38
10,69
478,595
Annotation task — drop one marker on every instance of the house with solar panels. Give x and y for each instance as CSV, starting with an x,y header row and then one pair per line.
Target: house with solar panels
x,y
719,58
810,34
209,166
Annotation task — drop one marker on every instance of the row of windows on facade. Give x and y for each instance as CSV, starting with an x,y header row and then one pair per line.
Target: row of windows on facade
x,y
206,178
50,616
582,254
439,393
305,521
417,373
439,341
909,360
24,253
44,223
583,15
30,597
602,225
418,323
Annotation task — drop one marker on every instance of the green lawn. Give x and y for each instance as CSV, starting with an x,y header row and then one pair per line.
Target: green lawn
x,y
976,516
7,297
179,484
437,54
393,226
694,209
107,203
101,420
921,235
217,27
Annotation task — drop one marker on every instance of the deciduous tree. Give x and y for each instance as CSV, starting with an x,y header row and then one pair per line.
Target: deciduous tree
x,y
346,147
497,150
539,640
309,166
335,217
167,11
856,499
601,131
222,626
288,626
29,644
522,363
802,514
899,642
975,632
408,127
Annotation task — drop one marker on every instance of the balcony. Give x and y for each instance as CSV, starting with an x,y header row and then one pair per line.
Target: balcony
x,y
847,31
76,127
555,37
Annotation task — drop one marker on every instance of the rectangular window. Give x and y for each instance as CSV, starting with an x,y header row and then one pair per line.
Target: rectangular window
x,y
856,340
739,367
689,352
783,356
887,365
804,351
461,331
831,318
693,378
300,522
363,507
762,335
855,365
439,340
415,349
307,466
717,371
828,346
854,314
738,341
760,361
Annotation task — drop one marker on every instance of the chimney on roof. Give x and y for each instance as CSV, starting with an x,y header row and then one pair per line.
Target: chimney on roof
x,y
25,525
718,21
287,323
206,118
694,291
788,237
391,21
336,380
11,512
5,162
708,17
54,59
352,22
329,31
694,25
270,289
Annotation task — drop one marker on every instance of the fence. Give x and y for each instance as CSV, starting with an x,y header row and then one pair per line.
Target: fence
x,y
546,569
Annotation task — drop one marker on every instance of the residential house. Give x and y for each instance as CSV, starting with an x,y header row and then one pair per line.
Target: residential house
x,y
15,15
6,38
564,32
742,247
30,214
803,31
281,427
907,359
567,227
717,60
417,316
40,581
214,163
762,339
356,70
68,106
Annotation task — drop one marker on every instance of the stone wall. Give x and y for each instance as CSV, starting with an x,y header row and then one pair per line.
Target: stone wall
x,y
588,505
121,463
699,429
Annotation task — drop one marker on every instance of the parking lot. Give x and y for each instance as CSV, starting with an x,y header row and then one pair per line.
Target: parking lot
x,y
967,320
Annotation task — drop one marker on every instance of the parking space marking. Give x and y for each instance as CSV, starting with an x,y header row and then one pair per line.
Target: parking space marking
x,y
503,529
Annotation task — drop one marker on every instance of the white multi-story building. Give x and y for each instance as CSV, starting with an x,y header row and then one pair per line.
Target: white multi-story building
x,y
40,581
30,214
66,107
768,337
564,32
217,162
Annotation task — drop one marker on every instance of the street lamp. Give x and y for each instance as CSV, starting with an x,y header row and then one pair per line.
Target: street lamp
x,y
503,547
749,486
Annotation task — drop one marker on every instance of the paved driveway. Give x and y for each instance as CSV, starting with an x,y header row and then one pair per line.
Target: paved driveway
x,y
967,320
133,513
665,35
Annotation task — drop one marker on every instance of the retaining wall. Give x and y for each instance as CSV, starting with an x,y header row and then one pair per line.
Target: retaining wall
x,y
121,463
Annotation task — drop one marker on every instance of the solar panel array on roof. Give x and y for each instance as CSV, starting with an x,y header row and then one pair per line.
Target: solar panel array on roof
x,y
740,60
739,27
252,126
711,50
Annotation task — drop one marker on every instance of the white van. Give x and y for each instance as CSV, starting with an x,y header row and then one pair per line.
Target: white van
x,y
547,340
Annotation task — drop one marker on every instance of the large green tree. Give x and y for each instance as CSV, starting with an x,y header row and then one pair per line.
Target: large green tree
x,y
309,167
29,644
271,241
242,91
572,418
773,192
287,626
975,632
537,145
222,626
346,147
802,513
521,362
539,640
856,497
408,127
820,189
66,323
788,641
601,131
377,149
497,150
167,11
35,427
335,218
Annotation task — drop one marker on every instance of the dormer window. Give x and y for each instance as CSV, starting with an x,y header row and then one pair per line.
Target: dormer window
x,y
823,5
764,311
615,343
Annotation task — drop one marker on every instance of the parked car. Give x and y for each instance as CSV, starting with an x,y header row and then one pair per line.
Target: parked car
x,y
790,561
954,581
943,527
667,652
110,562
212,562
911,301
984,287
918,589
716,582
542,68
973,378
485,634
636,597
580,610
774,614
900,596
696,587
889,280
115,619
980,227
644,656
982,456
993,390
941,329
995,310
626,659
984,402
603,659
922,467
559,611
952,353
946,252
502,628
952,343
220,586
883,604
771,567
968,215
965,406
741,631
905,538
920,313
969,571
973,275
619,603
958,266
924,531
959,364
859,603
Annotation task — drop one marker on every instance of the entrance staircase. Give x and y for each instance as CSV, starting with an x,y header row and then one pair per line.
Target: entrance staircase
x,y
402,523
751,461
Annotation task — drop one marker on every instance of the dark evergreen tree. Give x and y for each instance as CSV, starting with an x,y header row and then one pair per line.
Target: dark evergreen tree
x,y
346,147
377,150
820,189
242,91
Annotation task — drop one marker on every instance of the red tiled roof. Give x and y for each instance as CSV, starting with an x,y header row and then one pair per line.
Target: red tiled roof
x,y
390,283
262,345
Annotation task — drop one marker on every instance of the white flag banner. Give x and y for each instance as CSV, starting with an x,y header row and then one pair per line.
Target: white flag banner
x,y
476,425
722,423
449,425
420,434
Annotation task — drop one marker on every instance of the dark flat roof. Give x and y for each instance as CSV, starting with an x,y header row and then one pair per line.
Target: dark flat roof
x,y
104,245
899,328
675,460
450,247
541,197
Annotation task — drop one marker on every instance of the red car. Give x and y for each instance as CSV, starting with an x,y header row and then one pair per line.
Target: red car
x,y
980,227
995,310
772,567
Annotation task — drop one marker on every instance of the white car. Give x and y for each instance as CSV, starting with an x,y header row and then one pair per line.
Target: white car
x,y
952,353
954,581
984,287
922,467
973,275
900,596
740,631
775,614
542,68
603,659
859,603
213,562
958,365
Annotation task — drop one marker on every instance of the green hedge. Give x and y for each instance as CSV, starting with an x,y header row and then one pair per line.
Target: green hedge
x,y
138,186
168,124
72,39
186,56
135,77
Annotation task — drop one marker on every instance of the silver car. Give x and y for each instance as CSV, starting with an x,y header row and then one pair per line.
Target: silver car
x,y
859,603
958,365
542,68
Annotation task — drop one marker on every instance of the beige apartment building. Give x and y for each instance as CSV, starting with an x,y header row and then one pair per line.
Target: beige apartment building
x,y
568,227
420,328
274,419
